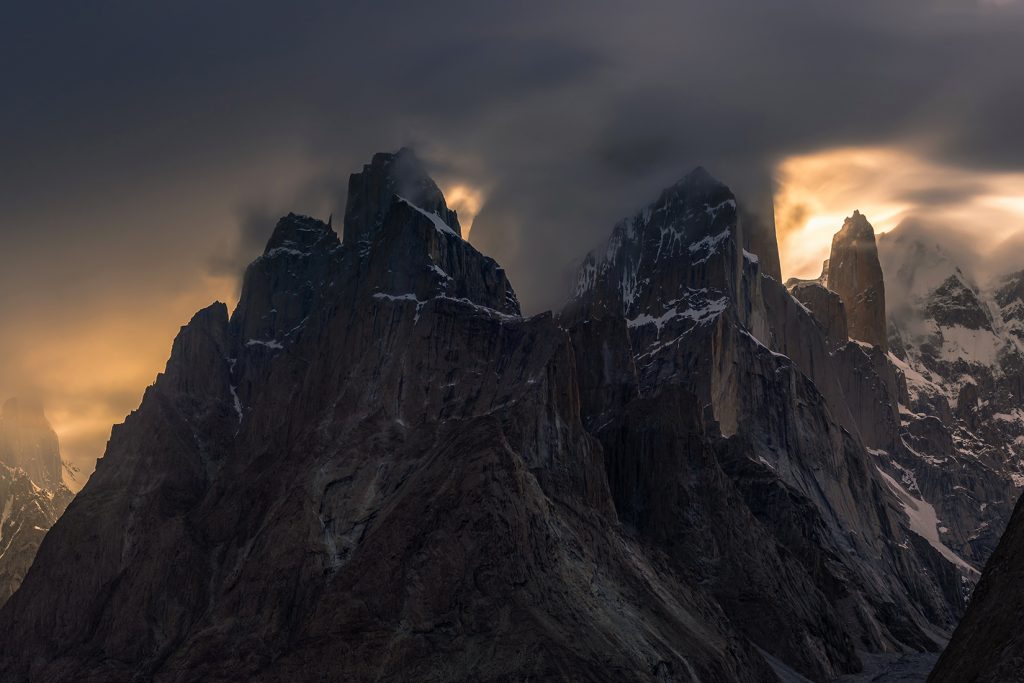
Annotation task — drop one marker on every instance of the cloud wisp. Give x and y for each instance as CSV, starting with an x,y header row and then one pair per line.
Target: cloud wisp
x,y
148,149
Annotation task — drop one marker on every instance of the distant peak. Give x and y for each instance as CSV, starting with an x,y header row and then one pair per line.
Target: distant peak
x,y
28,441
22,408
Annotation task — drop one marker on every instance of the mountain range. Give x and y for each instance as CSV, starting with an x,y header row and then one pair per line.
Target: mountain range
x,y
377,468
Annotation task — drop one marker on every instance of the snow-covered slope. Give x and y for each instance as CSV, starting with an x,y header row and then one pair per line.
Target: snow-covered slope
x,y
954,334
32,494
741,427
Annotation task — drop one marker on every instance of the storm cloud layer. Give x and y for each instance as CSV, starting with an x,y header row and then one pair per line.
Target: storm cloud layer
x,y
147,150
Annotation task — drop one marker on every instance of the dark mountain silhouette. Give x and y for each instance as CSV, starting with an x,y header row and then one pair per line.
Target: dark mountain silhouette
x,y
376,468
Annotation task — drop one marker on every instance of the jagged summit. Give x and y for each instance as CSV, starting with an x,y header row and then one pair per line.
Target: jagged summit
x,y
693,220
376,470
855,274
377,455
857,223
401,244
372,192
299,235
691,188
699,177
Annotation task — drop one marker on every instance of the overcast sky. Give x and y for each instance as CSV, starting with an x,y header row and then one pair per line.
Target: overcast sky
x,y
148,147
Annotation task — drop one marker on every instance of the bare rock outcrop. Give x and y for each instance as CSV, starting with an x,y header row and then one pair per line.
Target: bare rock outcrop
x,y
854,273
827,308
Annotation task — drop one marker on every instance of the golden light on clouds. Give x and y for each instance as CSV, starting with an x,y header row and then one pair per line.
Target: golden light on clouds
x,y
467,201
816,191
92,370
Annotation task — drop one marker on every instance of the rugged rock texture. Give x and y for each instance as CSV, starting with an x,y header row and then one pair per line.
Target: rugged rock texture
x,y
855,275
375,469
954,342
830,560
988,645
32,495
962,346
759,239
827,308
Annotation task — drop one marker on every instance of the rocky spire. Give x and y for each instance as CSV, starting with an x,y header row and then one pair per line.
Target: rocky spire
x,y
28,441
854,273
281,287
371,194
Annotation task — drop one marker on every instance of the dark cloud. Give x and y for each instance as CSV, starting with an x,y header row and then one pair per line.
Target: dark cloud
x,y
944,195
147,146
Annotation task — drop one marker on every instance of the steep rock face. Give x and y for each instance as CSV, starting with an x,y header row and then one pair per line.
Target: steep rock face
x,y
988,644
32,495
372,194
953,341
759,239
827,308
855,275
387,478
850,568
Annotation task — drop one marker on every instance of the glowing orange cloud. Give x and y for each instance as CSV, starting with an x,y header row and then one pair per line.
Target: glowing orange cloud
x,y
816,191
467,201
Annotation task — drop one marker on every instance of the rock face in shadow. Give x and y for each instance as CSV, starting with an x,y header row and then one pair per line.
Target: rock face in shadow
x,y
854,273
374,469
988,645
759,239
754,435
827,308
32,495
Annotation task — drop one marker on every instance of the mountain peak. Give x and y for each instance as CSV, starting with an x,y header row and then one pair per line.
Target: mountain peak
x,y
700,177
855,274
300,235
21,409
857,225
28,441
371,194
